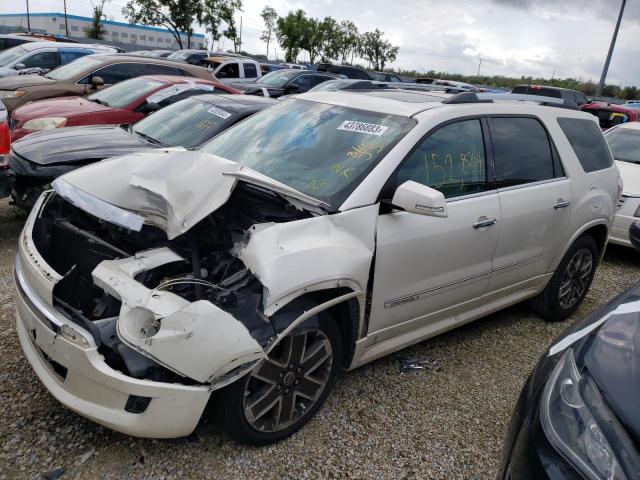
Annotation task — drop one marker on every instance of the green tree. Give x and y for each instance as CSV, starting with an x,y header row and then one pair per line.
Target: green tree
x,y
349,42
376,50
330,39
270,18
219,18
96,30
175,15
290,32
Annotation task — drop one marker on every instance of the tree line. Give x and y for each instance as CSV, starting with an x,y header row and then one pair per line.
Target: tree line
x,y
325,40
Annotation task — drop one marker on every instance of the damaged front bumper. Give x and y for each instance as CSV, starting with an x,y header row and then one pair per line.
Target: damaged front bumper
x,y
195,340
78,377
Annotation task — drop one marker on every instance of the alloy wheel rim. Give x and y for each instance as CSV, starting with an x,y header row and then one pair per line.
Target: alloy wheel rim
x,y
283,387
575,278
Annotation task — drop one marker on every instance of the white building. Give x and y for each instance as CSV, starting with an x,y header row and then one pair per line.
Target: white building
x,y
140,36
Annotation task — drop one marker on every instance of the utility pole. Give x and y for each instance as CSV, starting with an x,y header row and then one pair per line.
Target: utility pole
x,y
478,74
603,77
28,17
66,24
240,44
553,74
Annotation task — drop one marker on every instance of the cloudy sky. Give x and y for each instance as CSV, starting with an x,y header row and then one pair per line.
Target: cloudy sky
x,y
513,37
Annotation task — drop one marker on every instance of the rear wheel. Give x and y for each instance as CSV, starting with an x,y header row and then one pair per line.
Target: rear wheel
x,y
285,389
570,282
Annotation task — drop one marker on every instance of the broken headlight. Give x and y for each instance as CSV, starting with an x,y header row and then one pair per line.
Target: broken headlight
x,y
582,428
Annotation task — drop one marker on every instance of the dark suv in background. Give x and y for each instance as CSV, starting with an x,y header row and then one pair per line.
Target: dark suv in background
x,y
572,97
346,70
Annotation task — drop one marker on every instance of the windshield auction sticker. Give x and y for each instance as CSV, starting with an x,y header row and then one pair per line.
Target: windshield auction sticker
x,y
362,127
218,112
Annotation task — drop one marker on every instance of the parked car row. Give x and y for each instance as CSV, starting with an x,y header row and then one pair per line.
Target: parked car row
x,y
268,254
188,242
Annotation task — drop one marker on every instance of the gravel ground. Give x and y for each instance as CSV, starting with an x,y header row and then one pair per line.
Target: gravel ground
x,y
438,423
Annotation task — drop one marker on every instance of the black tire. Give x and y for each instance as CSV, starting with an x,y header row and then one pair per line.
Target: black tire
x,y
554,305
232,415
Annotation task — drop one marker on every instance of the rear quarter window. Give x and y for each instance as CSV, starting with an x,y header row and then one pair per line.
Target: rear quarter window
x,y
587,142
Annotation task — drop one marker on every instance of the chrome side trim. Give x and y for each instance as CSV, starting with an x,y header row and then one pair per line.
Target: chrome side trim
x,y
33,300
394,302
416,296
532,184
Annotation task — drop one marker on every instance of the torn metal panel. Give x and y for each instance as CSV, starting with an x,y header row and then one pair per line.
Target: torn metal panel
x,y
194,339
295,257
172,190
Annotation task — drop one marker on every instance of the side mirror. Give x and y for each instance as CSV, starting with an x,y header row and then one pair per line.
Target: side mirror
x,y
149,107
97,81
19,66
413,197
292,88
221,74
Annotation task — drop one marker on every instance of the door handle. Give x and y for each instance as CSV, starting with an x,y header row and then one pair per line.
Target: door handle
x,y
561,204
487,222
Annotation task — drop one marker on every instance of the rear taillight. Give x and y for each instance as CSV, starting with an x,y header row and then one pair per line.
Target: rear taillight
x,y
5,139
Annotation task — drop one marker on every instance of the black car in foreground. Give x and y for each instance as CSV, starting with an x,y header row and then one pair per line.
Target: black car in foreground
x,y
284,82
578,416
37,159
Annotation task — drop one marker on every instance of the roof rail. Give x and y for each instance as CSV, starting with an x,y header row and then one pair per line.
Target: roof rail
x,y
471,97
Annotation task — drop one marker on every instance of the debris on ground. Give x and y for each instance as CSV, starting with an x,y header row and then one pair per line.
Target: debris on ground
x,y
410,363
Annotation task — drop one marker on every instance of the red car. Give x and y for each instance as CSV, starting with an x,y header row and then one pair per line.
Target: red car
x,y
609,115
122,103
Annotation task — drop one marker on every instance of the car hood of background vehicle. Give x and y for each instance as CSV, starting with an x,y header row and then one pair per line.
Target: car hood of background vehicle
x,y
169,188
630,174
78,145
249,88
18,81
7,72
58,107
613,360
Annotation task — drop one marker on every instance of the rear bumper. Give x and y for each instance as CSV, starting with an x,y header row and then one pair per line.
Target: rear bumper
x,y
620,230
79,378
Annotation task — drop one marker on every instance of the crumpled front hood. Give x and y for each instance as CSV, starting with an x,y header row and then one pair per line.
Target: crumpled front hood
x,y
78,145
613,360
170,189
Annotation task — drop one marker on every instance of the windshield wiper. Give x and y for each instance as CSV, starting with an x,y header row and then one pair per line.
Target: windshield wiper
x,y
148,138
627,160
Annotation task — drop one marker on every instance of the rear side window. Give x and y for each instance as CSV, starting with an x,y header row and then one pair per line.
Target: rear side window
x,y
153,69
587,142
250,70
522,151
67,56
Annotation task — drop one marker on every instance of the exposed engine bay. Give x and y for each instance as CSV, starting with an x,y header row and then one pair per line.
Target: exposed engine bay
x,y
74,242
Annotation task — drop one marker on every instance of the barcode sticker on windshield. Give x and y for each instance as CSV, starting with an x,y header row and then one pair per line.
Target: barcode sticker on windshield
x,y
218,112
362,127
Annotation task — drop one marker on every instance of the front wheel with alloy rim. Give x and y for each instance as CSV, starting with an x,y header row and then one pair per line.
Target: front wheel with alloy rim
x,y
570,282
286,388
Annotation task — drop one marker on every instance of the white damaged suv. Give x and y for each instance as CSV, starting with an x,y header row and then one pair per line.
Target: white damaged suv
x,y
321,233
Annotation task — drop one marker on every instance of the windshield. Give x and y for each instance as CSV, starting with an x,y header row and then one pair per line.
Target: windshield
x,y
187,123
123,93
624,144
277,79
11,55
322,150
74,69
